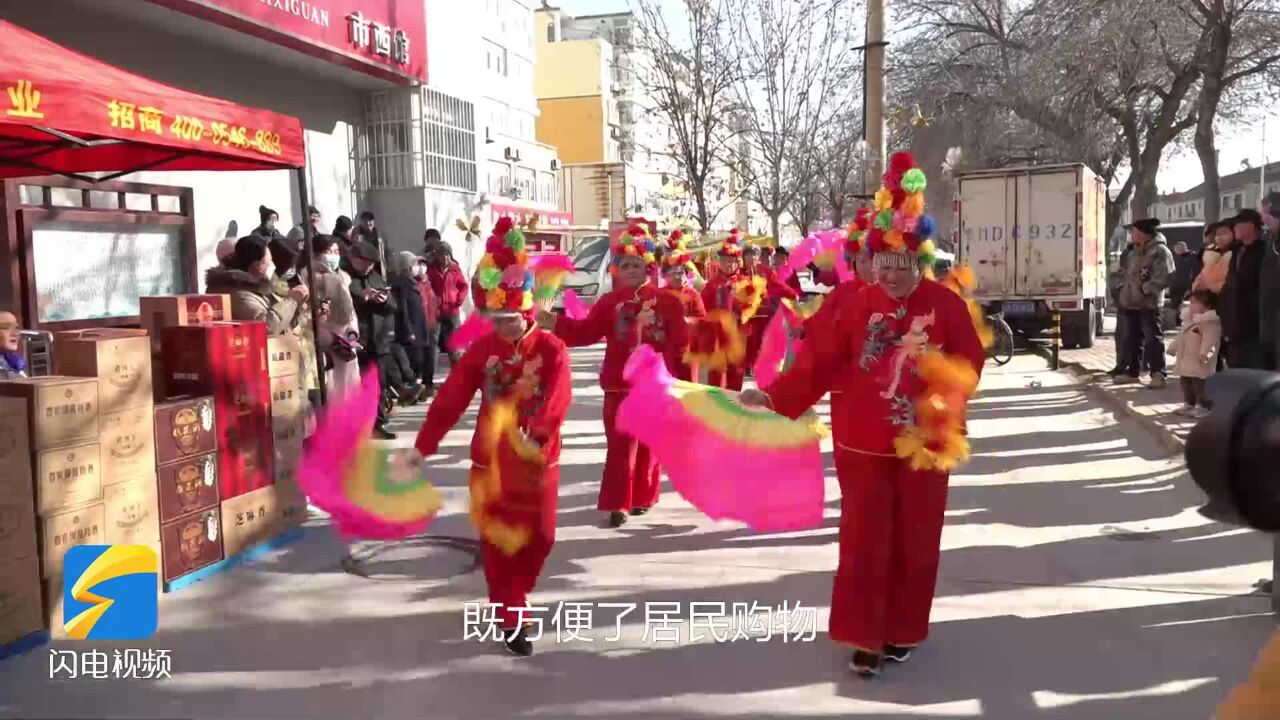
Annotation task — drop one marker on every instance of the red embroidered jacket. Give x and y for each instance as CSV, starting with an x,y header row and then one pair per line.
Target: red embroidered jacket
x,y
535,369
717,294
863,357
624,318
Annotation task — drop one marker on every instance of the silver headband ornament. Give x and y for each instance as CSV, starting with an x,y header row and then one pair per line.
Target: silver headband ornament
x,y
895,261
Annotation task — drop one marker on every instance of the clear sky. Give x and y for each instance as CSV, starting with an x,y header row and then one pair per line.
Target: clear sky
x,y
1178,172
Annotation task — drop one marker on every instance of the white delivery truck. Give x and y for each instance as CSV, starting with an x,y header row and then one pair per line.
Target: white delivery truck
x,y
1034,237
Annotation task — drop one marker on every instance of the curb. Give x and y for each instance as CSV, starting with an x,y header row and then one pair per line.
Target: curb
x,y
1173,444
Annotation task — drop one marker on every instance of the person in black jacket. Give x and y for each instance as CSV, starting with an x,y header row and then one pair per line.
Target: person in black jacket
x,y
411,329
376,314
1241,295
1186,266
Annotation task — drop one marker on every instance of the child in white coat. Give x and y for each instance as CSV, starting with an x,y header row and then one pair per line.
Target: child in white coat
x,y
1196,350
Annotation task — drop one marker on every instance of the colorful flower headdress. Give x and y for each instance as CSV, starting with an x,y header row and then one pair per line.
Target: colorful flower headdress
x,y
504,284
732,245
856,236
636,242
899,226
677,253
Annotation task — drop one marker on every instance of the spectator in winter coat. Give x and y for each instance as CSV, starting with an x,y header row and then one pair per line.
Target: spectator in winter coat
x,y
332,287
1269,283
1145,277
366,230
1241,296
430,311
1186,266
1215,260
297,235
13,364
411,325
376,314
251,282
451,288
283,253
1196,350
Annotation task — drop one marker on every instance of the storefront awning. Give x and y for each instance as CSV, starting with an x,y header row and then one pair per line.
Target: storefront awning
x,y
70,114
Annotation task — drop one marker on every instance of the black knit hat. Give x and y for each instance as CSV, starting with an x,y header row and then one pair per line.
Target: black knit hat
x,y
265,212
249,251
1150,226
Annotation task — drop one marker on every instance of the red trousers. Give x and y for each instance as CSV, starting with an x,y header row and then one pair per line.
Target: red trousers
x,y
528,500
631,475
890,539
755,329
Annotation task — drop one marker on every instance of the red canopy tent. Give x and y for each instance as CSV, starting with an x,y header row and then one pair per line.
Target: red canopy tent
x,y
70,114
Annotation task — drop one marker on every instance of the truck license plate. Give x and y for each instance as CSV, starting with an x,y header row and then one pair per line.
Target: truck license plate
x,y
1019,309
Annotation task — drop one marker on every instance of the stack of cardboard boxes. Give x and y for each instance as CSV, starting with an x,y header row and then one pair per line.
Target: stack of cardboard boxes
x,y
123,447
288,426
254,384
20,602
187,480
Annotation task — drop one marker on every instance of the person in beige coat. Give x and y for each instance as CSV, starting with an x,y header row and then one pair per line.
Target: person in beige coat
x,y
249,279
1196,350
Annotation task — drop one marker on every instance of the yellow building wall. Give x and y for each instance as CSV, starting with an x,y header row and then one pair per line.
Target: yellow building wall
x,y
575,127
570,69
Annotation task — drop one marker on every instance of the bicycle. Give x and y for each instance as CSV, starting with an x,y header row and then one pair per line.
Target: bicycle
x,y
1001,350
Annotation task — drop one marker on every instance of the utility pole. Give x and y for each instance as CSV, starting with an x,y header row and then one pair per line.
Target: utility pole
x,y
874,101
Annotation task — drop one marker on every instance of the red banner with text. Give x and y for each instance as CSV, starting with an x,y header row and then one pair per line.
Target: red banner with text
x,y
377,36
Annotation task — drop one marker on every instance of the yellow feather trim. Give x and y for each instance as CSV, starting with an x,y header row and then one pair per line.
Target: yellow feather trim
x,y
913,446
732,353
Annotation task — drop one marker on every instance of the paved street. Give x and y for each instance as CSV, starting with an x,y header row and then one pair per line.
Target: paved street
x,y
1077,582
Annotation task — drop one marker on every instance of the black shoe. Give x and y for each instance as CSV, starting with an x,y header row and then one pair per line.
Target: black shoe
x,y
865,664
897,653
637,512
518,643
426,394
617,519
381,433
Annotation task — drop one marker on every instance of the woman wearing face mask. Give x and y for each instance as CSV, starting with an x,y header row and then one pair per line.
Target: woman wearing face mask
x,y
12,362
250,281
338,314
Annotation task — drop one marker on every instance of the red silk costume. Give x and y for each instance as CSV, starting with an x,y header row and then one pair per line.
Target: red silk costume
x,y
864,354
691,302
775,291
717,294
624,318
535,369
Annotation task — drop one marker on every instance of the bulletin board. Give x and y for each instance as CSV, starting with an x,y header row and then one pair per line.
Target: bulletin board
x,y
77,255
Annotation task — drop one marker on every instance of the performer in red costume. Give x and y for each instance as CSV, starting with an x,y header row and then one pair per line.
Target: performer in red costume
x,y
524,378
781,257
858,255
897,423
678,270
634,312
722,293
775,292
